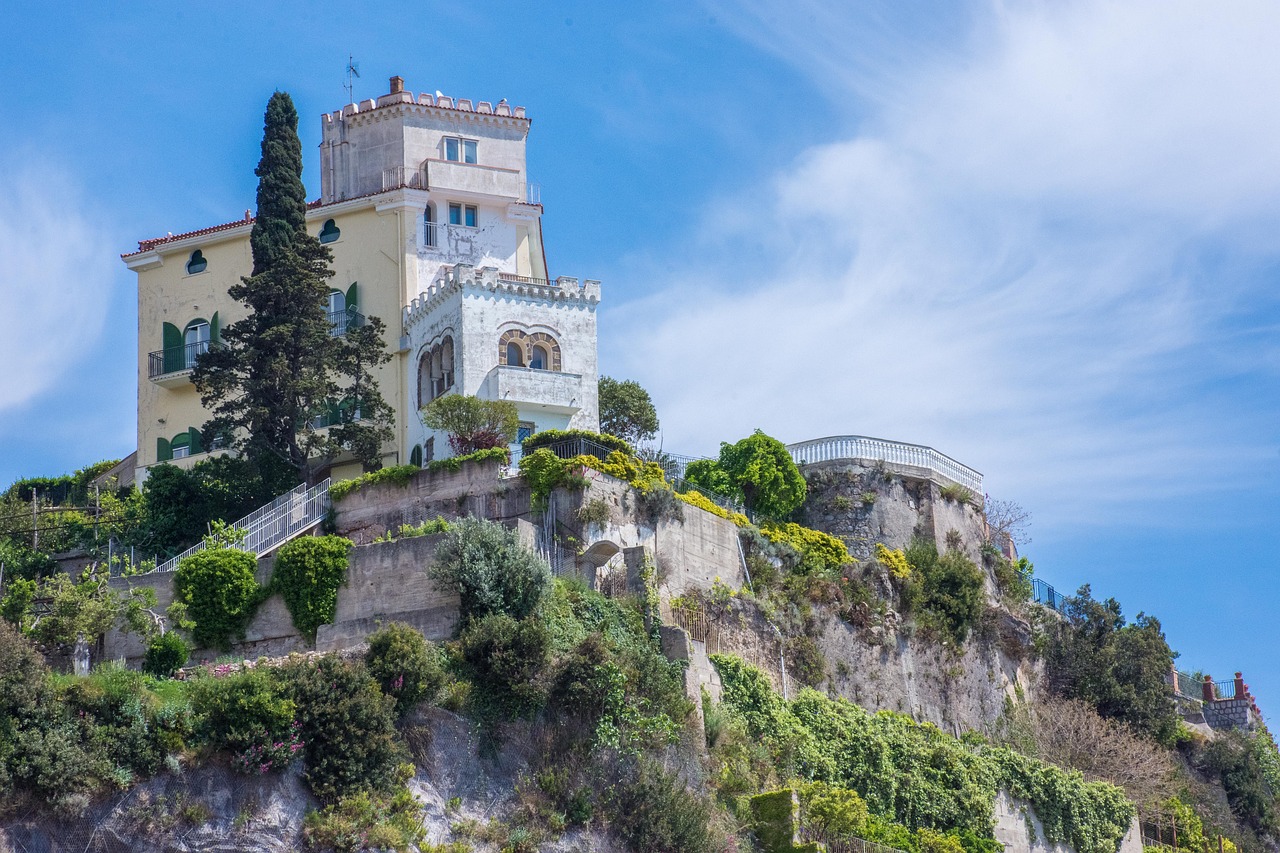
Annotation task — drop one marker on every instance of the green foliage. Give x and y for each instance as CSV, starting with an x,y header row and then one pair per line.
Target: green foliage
x,y
21,561
626,410
831,812
367,821
405,665
1119,668
762,471
281,366
1233,757
89,608
652,810
1013,579
180,504
15,607
554,436
544,472
773,820
308,573
951,590
347,726
430,527
492,572
820,553
398,474
594,511
248,714
957,494
913,774
506,659
454,463
472,423
166,654
220,592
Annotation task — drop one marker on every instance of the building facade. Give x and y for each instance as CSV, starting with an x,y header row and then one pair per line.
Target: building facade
x,y
434,227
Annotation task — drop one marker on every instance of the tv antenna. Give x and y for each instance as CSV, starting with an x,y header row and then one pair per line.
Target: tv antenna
x,y
353,72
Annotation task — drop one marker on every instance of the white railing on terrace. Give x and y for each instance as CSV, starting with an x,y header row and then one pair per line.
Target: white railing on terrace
x,y
268,527
838,447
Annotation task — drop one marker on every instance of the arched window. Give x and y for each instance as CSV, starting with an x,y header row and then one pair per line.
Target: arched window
x,y
196,263
515,358
538,358
424,379
195,341
330,232
415,456
180,446
446,361
435,370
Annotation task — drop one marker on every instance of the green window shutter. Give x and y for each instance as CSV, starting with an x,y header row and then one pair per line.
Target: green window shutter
x,y
415,458
195,441
163,453
353,302
173,357
215,328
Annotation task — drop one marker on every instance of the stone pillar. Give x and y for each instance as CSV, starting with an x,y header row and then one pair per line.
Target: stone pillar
x,y
1206,689
1242,689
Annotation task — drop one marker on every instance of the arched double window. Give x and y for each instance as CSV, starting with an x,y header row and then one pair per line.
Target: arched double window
x,y
435,370
536,350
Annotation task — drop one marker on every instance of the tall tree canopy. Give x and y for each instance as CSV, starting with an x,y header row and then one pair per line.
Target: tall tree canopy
x,y
626,410
281,374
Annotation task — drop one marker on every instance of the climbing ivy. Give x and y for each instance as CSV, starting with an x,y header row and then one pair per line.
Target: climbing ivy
x,y
220,592
912,773
308,573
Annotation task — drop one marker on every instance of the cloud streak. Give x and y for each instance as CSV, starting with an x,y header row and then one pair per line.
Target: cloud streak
x,y
1044,250
58,271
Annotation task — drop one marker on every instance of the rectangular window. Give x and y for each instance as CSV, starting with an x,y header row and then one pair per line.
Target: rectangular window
x,y
455,214
460,150
524,431
181,451
472,217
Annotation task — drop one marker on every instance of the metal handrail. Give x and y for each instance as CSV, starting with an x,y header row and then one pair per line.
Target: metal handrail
x,y
1043,593
270,526
340,321
177,359
865,447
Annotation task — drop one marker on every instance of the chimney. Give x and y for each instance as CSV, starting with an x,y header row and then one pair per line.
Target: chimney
x,y
397,84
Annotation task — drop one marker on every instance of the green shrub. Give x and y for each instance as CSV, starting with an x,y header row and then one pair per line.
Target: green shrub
x,y
553,436
831,812
166,654
368,821
773,820
506,658
492,572
951,588
405,665
308,573
1013,579
454,463
398,474
248,714
15,607
220,592
653,810
347,727
595,511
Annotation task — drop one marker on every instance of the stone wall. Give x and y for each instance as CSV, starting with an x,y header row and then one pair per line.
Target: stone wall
x,y
385,582
1020,831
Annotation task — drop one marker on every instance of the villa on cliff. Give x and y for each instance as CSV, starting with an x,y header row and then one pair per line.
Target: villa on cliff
x,y
435,228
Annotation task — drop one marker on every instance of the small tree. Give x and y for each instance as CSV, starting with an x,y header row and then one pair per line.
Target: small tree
x,y
759,470
472,423
626,410
491,570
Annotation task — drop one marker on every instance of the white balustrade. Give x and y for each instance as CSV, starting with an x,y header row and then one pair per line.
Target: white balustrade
x,y
866,448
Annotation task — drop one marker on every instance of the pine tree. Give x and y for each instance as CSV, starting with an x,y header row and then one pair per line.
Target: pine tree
x,y
281,367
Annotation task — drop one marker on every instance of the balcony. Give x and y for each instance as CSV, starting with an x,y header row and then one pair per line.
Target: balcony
x,y
341,321
475,179
546,389
171,367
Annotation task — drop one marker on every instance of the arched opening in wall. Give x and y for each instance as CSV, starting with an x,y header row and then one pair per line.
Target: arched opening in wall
x,y
600,553
196,263
515,358
424,378
330,232
446,362
539,359
415,455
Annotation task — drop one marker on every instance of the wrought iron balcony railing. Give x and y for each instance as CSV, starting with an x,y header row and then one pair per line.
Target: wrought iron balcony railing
x,y
173,360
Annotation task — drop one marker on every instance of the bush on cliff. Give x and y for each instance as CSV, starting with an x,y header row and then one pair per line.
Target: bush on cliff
x,y
491,571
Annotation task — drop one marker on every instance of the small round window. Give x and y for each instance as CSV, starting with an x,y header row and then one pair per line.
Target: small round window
x,y
329,232
196,263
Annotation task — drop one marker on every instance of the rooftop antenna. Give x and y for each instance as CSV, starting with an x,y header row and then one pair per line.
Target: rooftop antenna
x,y
353,72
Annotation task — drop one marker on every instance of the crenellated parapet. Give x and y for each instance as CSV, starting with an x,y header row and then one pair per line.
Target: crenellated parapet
x,y
423,104
460,278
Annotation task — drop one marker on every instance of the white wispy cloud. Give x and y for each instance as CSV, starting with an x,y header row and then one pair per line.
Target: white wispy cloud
x,y
56,269
1044,250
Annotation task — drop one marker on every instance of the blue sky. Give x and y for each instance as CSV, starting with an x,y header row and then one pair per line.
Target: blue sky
x,y
1042,238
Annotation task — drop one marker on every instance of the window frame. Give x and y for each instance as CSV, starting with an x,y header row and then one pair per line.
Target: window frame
x,y
198,260
462,149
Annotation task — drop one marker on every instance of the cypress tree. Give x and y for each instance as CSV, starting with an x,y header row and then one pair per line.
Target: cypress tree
x,y
281,367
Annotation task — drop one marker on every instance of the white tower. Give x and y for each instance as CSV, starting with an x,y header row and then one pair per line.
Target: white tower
x,y
485,318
